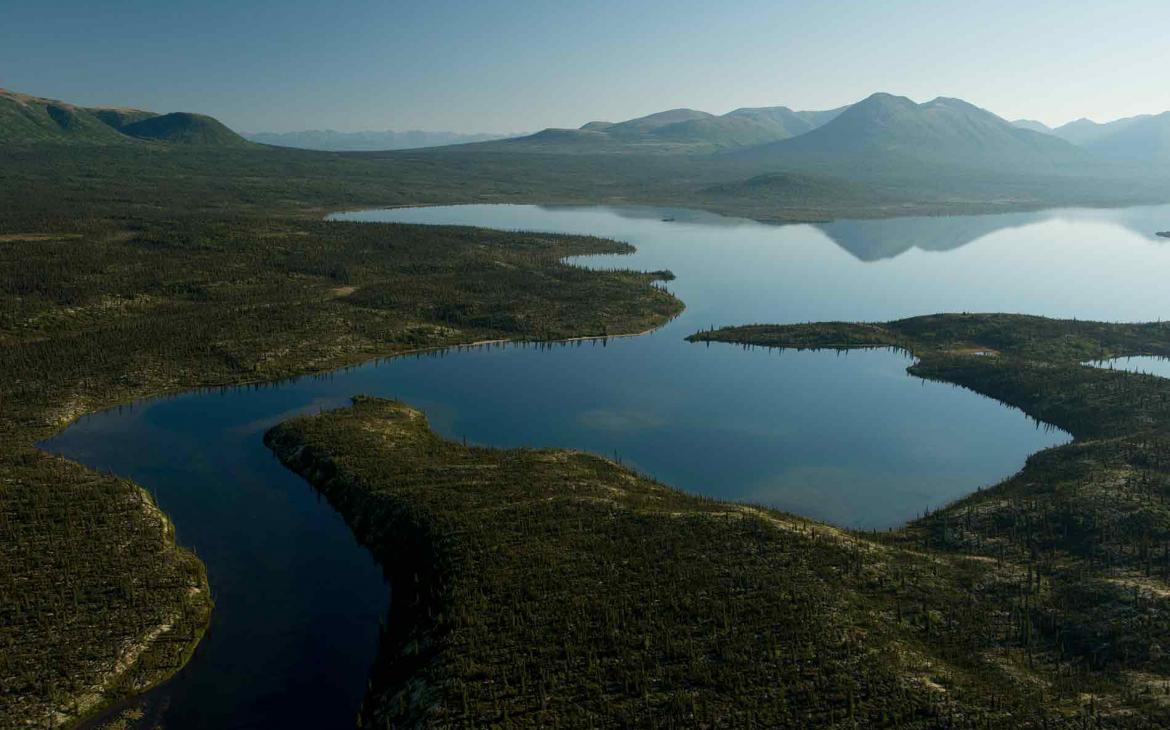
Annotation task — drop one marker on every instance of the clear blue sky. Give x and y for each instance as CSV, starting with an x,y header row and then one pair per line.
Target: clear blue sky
x,y
506,65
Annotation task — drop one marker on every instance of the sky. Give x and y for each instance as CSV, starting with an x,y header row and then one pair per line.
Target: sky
x,y
512,66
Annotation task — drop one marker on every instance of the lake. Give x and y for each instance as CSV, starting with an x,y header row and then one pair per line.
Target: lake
x,y
1144,364
849,438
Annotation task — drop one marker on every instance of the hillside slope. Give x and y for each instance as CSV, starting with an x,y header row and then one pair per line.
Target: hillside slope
x,y
677,131
892,134
120,118
785,121
30,119
26,120
1085,131
1033,125
184,128
1144,138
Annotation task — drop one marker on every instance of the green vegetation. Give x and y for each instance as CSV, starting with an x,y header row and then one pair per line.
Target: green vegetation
x,y
794,189
38,182
96,602
183,128
110,302
332,140
545,588
882,157
1087,521
119,119
26,120
538,587
131,267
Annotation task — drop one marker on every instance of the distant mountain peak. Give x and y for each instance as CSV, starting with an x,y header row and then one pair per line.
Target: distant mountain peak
x,y
749,110
888,134
678,131
1033,125
885,98
1141,139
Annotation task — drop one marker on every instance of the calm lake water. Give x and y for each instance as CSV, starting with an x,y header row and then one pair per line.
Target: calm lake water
x,y
849,438
1145,364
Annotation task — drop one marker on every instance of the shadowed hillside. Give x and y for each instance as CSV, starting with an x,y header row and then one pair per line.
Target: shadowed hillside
x,y
119,119
184,128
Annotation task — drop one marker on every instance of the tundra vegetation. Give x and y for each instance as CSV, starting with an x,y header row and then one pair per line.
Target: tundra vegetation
x,y
144,253
103,304
545,588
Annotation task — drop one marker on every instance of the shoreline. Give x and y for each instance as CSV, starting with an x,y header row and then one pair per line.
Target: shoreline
x,y
365,359
84,407
376,461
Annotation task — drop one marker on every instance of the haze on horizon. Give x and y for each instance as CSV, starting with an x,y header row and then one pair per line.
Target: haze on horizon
x,y
507,65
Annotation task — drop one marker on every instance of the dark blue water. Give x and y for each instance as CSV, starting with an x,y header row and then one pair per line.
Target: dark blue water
x,y
295,625
849,438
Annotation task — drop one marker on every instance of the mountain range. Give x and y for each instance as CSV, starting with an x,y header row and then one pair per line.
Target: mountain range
x,y
880,135
883,136
679,131
1144,138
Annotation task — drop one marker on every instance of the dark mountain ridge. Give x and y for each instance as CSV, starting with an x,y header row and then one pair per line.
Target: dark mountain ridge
x,y
184,128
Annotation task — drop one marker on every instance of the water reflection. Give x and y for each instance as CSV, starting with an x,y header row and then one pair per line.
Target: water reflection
x,y
849,438
1144,364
